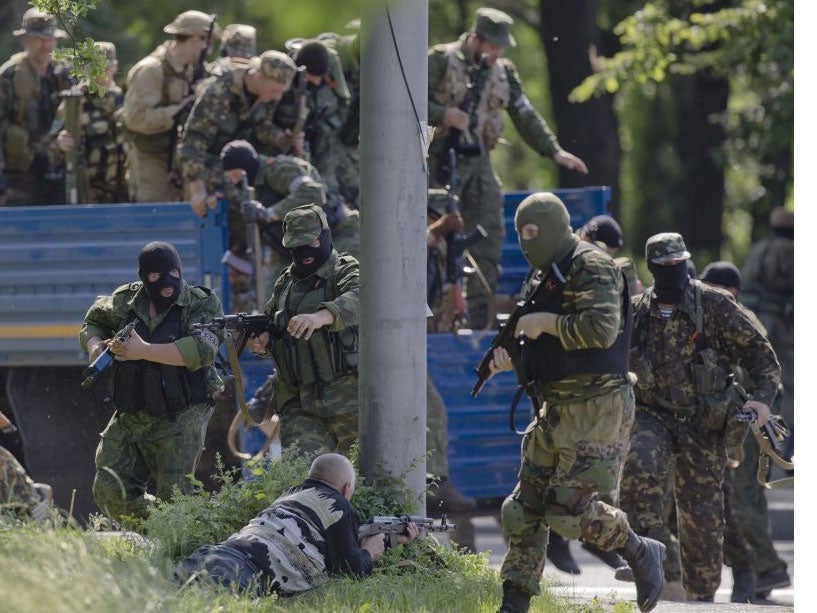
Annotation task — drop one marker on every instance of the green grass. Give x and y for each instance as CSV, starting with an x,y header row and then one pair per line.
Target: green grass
x,y
66,569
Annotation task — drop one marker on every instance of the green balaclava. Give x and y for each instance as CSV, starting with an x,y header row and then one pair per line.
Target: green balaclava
x,y
555,238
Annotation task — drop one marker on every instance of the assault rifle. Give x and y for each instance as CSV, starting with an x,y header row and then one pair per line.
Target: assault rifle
x,y
105,359
394,526
456,244
243,327
471,145
74,181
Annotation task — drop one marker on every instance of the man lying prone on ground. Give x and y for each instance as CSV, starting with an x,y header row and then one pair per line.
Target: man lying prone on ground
x,y
306,535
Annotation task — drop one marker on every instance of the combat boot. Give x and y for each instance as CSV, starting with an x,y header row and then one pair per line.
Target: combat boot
x,y
514,599
743,585
449,499
645,557
611,558
558,552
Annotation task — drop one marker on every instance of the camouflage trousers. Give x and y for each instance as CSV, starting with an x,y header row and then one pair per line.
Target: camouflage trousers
x,y
751,510
17,493
571,456
436,431
137,448
658,439
322,418
480,193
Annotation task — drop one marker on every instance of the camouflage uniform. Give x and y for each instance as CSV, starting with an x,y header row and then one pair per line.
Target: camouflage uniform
x,y
479,187
31,165
224,112
146,444
17,492
572,450
683,407
155,86
237,41
316,388
328,106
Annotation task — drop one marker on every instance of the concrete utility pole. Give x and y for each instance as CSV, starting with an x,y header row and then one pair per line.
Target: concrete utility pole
x,y
394,182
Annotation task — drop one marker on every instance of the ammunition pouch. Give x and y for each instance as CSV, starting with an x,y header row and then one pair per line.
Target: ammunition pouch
x,y
717,399
641,365
18,155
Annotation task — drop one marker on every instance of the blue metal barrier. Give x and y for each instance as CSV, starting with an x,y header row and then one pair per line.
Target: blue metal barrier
x,y
55,260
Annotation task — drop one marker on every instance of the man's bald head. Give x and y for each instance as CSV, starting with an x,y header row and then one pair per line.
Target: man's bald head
x,y
334,469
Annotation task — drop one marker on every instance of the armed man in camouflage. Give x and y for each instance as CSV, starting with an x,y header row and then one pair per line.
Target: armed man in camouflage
x,y
237,42
161,385
315,308
572,356
102,171
159,89
449,68
31,162
239,104
326,100
281,184
687,338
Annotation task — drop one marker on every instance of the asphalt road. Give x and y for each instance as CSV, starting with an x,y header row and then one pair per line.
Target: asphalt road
x,y
597,580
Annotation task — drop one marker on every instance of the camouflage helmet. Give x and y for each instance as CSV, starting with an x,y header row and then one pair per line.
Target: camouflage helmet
x,y
276,66
109,49
40,24
494,26
303,224
665,247
238,39
192,23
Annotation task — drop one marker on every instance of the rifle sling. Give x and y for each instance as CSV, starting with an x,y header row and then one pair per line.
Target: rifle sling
x,y
239,383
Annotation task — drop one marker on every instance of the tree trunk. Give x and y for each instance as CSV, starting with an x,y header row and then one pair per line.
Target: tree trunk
x,y
589,130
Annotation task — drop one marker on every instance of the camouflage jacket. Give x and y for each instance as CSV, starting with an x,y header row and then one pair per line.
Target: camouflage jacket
x,y
28,107
344,274
443,92
768,278
591,318
103,146
223,112
284,182
17,493
667,354
109,314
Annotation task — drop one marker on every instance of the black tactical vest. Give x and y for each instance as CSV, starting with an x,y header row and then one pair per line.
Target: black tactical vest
x,y
544,356
159,389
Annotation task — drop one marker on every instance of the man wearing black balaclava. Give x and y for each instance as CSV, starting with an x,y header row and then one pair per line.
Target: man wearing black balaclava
x,y
572,346
687,339
161,384
315,309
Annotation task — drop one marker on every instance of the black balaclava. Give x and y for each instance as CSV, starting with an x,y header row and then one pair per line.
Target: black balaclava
x,y
162,258
320,253
241,154
314,56
670,281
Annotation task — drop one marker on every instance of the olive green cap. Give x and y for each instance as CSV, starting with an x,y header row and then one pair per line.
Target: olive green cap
x,y
238,39
37,23
302,225
276,66
665,247
192,23
494,26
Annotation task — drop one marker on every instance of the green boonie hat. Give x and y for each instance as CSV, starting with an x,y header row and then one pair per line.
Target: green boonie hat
x,y
192,23
664,247
238,39
37,23
276,66
302,225
494,26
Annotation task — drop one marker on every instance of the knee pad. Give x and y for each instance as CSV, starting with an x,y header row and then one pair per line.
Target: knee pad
x,y
513,516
